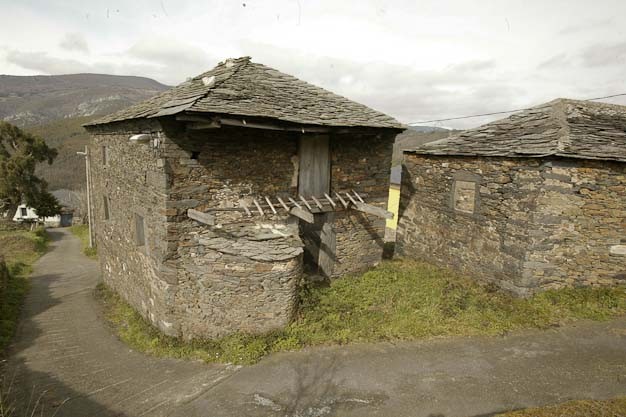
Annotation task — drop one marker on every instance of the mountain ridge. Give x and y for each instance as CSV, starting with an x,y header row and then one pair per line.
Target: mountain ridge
x,y
38,99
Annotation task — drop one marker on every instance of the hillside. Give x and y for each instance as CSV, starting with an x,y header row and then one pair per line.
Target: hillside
x,y
55,106
68,137
39,99
413,137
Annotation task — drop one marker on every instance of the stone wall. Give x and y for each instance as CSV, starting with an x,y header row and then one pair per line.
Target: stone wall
x,y
241,274
133,184
360,163
536,223
579,233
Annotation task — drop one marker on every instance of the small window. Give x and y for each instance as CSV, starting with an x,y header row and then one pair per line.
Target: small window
x,y
105,201
465,196
195,155
24,211
140,235
105,155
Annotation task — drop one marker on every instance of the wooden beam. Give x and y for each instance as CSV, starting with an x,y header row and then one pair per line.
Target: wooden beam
x,y
305,203
269,126
269,203
295,203
196,118
261,212
307,216
352,200
282,203
358,196
317,203
343,202
202,125
201,217
330,200
376,211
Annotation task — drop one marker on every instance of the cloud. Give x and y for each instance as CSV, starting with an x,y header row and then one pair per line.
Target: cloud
x,y
74,42
604,54
42,62
177,58
556,62
592,25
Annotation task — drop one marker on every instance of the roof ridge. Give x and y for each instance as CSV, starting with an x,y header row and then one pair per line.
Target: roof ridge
x,y
559,114
240,66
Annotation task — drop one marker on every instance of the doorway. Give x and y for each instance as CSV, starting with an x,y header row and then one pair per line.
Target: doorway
x,y
314,180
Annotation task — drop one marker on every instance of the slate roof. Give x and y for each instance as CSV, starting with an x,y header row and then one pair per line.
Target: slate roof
x,y
562,127
244,88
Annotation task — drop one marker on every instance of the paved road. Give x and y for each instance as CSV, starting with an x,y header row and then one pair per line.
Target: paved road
x,y
63,347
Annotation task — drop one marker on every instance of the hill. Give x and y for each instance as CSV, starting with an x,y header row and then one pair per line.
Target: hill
x,y
39,99
68,137
55,106
411,138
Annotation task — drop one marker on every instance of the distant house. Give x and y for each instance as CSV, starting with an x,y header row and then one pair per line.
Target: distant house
x,y
25,214
212,198
530,202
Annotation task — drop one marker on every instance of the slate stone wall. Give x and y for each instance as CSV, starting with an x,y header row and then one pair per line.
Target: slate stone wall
x,y
133,183
537,223
360,163
241,274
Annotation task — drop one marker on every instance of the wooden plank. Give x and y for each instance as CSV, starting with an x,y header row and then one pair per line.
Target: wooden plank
x,y
376,211
352,200
282,203
307,216
295,203
258,207
314,166
245,207
330,200
202,125
343,202
305,203
201,217
317,203
269,203
358,196
269,126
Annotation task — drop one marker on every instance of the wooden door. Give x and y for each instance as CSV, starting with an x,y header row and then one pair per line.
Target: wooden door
x,y
314,176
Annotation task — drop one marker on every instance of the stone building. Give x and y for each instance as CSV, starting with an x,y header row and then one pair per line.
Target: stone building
x,y
211,198
530,202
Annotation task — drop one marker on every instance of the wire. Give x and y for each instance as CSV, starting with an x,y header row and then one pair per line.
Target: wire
x,y
503,112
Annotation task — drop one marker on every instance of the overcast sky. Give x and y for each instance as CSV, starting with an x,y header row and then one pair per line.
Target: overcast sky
x,y
416,60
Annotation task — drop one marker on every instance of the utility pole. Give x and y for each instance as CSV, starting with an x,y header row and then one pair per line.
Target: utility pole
x,y
87,169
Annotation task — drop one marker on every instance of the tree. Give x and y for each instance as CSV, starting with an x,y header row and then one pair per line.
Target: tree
x,y
20,152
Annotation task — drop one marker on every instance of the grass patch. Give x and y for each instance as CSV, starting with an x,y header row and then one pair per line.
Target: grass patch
x,y
20,248
82,232
581,408
398,300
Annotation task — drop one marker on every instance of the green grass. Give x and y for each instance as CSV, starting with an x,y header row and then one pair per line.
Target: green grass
x,y
82,232
581,408
20,248
398,300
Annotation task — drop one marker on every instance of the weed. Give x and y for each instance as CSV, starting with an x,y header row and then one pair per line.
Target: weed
x,y
82,232
398,300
